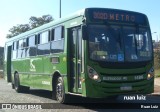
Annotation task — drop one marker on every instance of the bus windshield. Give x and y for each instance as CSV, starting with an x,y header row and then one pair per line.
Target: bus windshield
x,y
119,43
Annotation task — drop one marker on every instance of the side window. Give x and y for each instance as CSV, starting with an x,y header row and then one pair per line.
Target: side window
x,y
20,45
14,50
43,43
43,37
15,45
58,33
23,50
52,34
57,38
31,43
20,49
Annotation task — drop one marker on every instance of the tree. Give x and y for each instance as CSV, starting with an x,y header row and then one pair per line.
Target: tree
x,y
1,57
34,22
38,21
16,30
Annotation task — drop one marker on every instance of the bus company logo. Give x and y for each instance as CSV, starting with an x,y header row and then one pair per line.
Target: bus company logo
x,y
32,66
6,106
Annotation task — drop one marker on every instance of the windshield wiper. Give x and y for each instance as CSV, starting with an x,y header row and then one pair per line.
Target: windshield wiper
x,y
135,40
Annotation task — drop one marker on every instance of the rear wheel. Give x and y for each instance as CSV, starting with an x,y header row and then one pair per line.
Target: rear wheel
x,y
12,82
17,85
61,97
13,86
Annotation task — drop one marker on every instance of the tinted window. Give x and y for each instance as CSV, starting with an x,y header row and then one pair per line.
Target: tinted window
x,y
43,49
57,46
44,45
31,51
31,41
24,42
43,37
14,45
52,37
20,45
14,51
58,33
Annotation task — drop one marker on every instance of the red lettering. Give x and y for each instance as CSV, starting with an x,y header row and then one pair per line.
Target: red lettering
x,y
127,17
117,17
111,16
122,17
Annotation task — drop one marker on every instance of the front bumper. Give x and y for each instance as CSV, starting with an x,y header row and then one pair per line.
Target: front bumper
x,y
105,89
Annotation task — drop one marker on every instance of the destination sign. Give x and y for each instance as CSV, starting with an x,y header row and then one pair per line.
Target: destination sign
x,y
112,15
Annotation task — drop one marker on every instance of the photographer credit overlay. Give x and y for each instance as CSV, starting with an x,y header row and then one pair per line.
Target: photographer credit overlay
x,y
37,106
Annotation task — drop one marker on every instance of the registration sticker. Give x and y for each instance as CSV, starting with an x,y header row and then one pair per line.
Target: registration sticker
x,y
120,57
125,88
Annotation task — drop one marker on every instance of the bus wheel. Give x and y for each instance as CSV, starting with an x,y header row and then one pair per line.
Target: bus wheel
x,y
13,87
16,83
12,82
61,97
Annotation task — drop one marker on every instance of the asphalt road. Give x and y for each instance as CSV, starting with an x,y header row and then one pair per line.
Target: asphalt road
x,y
42,97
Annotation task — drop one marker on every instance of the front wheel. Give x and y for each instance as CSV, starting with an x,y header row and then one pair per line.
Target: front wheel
x,y
61,97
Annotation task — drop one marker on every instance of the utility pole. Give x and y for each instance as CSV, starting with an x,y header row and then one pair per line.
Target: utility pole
x,y
59,8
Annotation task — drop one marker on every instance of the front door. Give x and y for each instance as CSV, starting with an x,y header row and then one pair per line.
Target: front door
x,y
75,45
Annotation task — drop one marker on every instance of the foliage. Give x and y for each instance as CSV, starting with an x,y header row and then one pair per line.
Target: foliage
x,y
33,23
16,30
1,57
156,46
38,21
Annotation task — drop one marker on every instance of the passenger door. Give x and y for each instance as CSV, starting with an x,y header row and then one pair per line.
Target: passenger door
x,y
75,59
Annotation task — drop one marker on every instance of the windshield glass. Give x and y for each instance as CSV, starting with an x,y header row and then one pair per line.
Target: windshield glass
x,y
119,43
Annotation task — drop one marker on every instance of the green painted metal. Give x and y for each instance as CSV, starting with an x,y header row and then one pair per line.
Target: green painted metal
x,y
38,71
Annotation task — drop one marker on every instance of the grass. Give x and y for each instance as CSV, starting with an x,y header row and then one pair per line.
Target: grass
x,y
157,73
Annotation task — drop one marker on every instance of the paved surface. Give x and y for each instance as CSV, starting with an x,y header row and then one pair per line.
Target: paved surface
x,y
157,86
157,81
8,95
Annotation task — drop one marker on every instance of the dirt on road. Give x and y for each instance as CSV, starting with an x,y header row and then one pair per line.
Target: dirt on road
x,y
157,86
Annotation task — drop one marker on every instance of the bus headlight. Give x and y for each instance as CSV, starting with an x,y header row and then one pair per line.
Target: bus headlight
x,y
93,74
150,74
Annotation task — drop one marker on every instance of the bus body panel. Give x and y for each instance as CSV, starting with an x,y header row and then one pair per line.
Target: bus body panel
x,y
38,71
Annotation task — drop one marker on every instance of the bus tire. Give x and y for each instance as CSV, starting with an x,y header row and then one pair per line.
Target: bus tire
x,y
61,97
17,83
17,86
13,87
12,82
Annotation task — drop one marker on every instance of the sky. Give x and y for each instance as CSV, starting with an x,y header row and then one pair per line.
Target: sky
x,y
15,12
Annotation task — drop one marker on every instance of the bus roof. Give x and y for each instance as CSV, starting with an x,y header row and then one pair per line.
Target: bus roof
x,y
82,12
48,25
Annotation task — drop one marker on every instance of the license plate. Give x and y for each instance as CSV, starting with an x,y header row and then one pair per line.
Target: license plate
x,y
124,88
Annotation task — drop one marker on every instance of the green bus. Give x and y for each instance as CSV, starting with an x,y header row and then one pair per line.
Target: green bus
x,y
95,52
